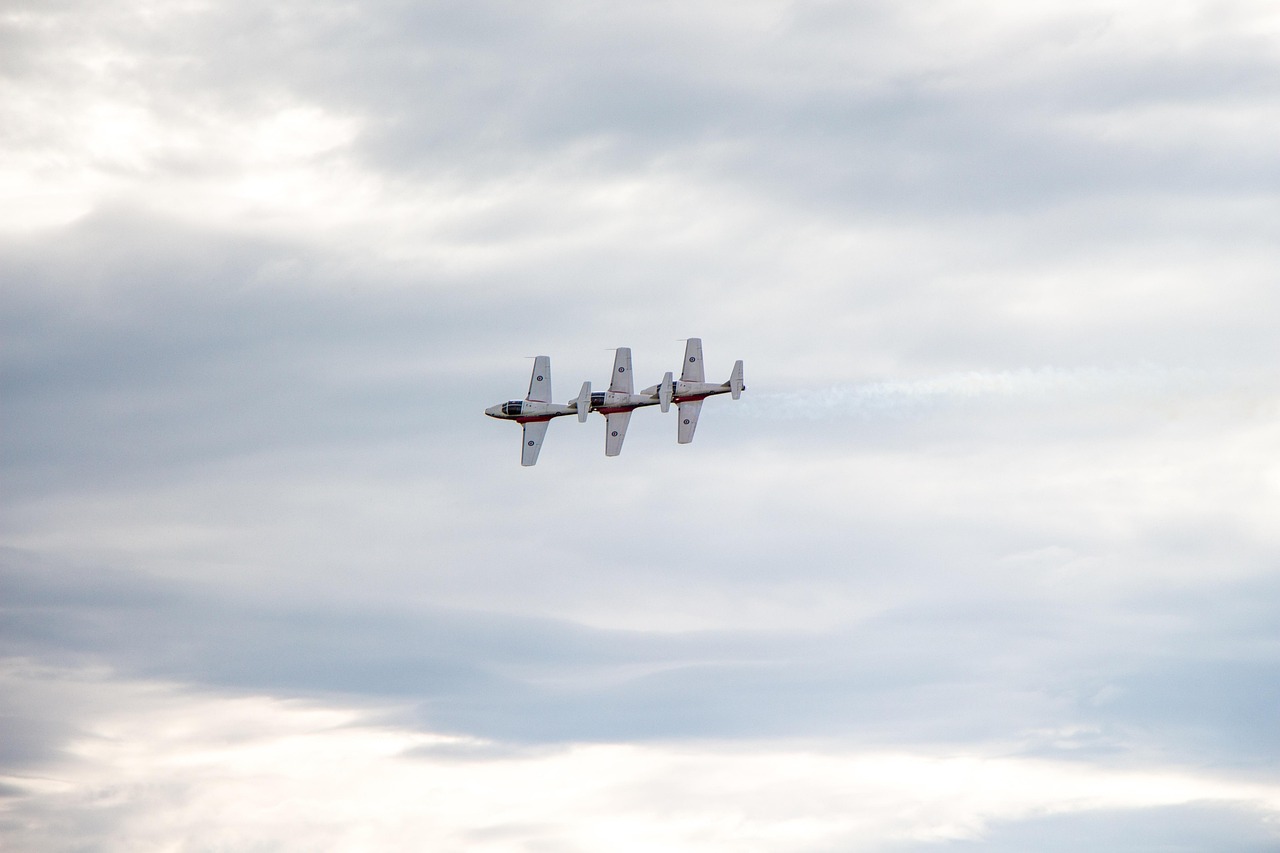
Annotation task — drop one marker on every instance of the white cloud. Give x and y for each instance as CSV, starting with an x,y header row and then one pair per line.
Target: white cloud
x,y
156,767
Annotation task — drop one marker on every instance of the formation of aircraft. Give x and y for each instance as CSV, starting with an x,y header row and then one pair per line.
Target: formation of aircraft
x,y
536,411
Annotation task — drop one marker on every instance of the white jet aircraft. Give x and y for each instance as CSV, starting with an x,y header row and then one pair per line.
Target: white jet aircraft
x,y
620,401
536,410
692,388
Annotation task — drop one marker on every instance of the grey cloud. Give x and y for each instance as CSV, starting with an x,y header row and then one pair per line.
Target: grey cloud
x,y
1232,828
1020,193
135,353
913,143
1008,670
495,89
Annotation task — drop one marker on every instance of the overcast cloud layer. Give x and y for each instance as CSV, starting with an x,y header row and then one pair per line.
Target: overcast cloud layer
x,y
984,558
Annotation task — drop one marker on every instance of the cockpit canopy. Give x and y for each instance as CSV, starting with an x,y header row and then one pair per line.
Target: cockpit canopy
x,y
512,407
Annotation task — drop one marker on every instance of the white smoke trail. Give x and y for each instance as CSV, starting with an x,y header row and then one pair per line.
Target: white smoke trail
x,y
906,397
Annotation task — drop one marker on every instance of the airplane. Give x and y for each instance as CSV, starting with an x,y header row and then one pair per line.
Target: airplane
x,y
620,401
536,411
692,388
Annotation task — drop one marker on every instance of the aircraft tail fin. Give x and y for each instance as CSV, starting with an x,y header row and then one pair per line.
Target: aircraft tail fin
x,y
735,380
666,391
583,403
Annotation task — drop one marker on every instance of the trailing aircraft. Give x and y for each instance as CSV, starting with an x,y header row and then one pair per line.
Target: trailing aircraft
x,y
620,401
536,411
692,388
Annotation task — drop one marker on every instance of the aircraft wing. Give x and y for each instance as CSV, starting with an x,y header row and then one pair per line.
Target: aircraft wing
x,y
688,415
615,430
693,363
534,432
621,379
540,381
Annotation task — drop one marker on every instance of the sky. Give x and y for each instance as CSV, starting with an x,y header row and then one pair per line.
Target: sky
x,y
984,559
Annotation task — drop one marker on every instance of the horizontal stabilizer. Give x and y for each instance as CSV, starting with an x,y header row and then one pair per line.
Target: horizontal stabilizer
x,y
735,380
583,403
666,391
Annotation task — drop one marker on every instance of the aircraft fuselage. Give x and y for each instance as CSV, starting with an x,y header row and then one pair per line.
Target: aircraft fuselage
x,y
524,411
682,391
612,402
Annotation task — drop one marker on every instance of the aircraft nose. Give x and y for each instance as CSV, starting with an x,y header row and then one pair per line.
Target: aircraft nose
x,y
492,411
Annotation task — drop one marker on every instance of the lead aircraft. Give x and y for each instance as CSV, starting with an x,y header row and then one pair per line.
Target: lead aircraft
x,y
536,411
692,388
620,401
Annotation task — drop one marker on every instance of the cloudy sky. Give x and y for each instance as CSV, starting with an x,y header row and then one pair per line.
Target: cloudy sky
x,y
985,558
